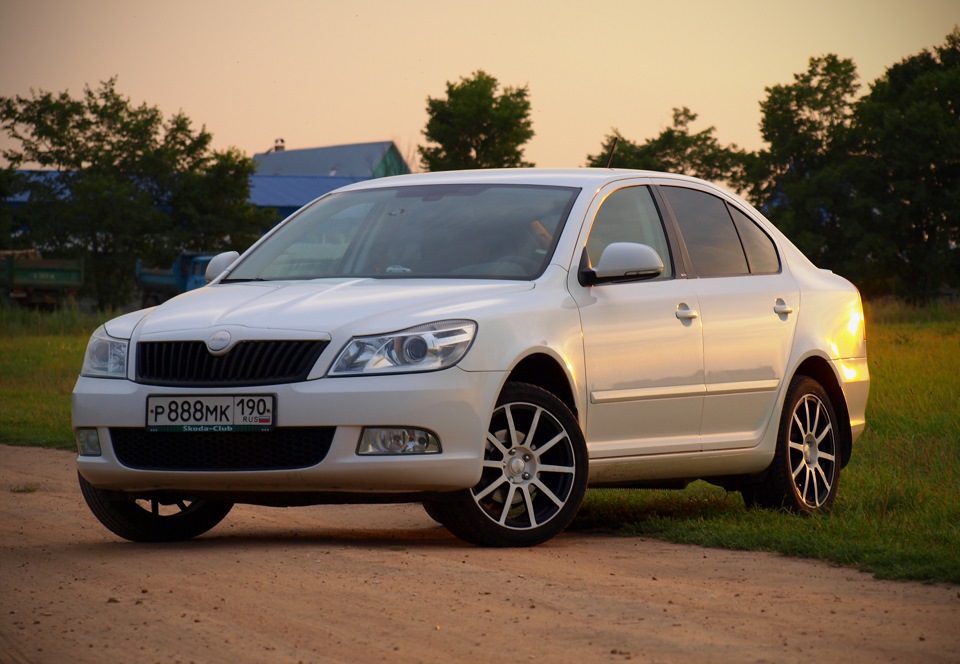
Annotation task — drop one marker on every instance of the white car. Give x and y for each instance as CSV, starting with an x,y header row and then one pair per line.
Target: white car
x,y
488,343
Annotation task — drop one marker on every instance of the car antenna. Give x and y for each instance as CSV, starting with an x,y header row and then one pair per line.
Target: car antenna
x,y
613,149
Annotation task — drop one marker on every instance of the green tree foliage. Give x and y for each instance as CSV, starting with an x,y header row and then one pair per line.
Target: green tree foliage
x,y
10,185
803,121
677,150
907,172
801,180
869,187
129,185
475,127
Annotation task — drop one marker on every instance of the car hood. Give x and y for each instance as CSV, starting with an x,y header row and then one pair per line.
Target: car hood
x,y
324,306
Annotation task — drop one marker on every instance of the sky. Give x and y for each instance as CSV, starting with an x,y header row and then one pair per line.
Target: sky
x,y
319,73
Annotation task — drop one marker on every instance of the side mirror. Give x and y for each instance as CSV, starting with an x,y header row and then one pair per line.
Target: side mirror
x,y
622,261
219,263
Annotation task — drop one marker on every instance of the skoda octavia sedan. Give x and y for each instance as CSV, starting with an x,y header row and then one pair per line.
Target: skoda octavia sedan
x,y
486,343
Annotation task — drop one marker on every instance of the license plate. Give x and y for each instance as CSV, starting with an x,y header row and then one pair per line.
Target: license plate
x,y
248,412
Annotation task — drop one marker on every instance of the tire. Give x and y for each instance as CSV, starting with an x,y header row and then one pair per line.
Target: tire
x,y
534,474
804,475
152,520
434,509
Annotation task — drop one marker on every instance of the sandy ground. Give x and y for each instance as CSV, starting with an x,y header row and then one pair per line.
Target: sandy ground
x,y
384,583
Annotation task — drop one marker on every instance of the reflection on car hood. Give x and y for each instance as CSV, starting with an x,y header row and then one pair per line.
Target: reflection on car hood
x,y
327,305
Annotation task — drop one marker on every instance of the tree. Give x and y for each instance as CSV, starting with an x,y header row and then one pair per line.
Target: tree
x,y
10,185
120,184
801,181
907,172
802,122
677,150
868,187
475,127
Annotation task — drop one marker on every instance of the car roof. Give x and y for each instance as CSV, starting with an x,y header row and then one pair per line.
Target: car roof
x,y
587,178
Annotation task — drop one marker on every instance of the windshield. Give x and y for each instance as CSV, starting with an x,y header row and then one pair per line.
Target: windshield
x,y
469,231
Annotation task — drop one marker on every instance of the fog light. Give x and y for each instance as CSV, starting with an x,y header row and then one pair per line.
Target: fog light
x,y
88,442
397,440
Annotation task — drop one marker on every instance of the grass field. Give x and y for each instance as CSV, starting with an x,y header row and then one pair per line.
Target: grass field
x,y
40,357
898,510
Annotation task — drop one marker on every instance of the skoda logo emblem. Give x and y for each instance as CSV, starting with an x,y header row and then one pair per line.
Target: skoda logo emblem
x,y
218,341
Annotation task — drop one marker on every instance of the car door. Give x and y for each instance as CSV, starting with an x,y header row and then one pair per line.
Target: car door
x,y
642,340
748,305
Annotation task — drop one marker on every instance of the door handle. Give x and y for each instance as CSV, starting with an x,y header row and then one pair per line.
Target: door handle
x,y
782,308
684,312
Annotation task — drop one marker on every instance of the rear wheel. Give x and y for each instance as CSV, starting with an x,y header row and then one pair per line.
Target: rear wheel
x,y
805,473
534,474
152,519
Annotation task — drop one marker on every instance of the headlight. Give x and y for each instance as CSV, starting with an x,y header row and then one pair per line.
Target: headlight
x,y
423,348
106,356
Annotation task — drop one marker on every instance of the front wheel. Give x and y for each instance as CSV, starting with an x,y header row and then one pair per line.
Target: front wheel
x,y
805,472
152,519
534,474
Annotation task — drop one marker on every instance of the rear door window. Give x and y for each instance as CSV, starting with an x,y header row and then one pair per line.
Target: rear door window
x,y
761,252
708,232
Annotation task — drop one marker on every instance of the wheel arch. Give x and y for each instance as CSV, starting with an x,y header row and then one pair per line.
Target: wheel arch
x,y
545,371
820,370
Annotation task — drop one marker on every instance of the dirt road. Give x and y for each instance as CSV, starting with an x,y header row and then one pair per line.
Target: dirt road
x,y
384,583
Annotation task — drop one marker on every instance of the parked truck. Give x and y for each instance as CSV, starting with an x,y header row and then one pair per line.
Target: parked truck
x,y
27,279
160,284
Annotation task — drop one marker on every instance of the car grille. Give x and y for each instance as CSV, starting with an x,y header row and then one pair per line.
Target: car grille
x,y
190,364
280,449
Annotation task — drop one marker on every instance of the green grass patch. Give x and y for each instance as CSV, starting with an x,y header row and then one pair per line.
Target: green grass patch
x,y
38,377
22,322
898,510
40,358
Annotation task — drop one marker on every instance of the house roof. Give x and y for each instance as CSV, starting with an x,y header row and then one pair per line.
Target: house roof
x,y
48,177
292,191
356,160
284,192
289,179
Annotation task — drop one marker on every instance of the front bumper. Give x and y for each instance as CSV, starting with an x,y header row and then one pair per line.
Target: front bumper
x,y
453,403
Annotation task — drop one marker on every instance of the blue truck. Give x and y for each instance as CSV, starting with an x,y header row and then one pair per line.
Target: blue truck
x,y
160,284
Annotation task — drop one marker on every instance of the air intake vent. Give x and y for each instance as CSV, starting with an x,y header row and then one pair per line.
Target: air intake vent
x,y
280,449
190,364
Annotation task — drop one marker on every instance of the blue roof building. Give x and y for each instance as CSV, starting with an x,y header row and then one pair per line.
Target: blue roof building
x,y
356,160
289,179
288,193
